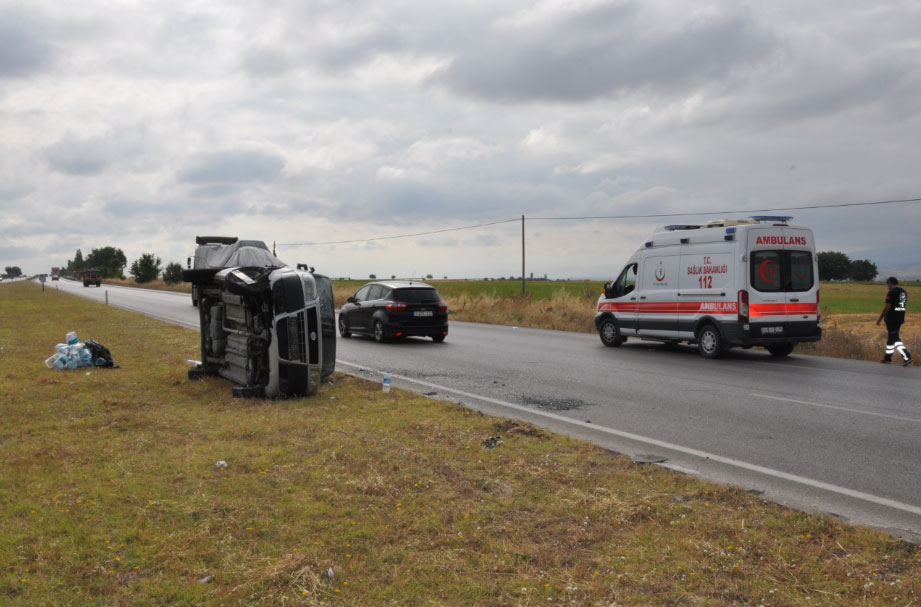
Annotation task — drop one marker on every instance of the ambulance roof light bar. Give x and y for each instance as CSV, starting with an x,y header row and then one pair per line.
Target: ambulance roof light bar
x,y
778,218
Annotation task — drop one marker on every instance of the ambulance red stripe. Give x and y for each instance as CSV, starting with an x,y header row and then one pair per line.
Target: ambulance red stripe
x,y
708,307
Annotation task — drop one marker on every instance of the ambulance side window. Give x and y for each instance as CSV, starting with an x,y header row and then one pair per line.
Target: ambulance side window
x,y
626,282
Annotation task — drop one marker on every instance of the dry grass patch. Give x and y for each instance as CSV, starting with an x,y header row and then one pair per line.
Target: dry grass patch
x,y
857,336
110,496
561,311
157,284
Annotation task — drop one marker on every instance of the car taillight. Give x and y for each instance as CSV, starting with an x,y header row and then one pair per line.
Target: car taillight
x,y
743,305
442,306
396,306
818,310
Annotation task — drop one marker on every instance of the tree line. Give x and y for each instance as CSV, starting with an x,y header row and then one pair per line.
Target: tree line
x,y
111,261
834,265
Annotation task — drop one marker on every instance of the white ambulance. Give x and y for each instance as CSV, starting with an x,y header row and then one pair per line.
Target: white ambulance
x,y
749,282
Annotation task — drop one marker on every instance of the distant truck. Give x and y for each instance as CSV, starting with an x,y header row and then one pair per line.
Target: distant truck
x,y
55,273
92,276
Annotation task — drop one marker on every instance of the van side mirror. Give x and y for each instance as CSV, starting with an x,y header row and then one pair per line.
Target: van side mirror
x,y
608,290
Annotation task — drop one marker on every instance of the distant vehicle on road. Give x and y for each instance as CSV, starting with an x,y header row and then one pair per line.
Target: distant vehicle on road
x,y
395,308
92,276
55,273
266,327
731,282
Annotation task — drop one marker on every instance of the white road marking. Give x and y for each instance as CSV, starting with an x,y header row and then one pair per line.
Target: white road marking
x,y
839,408
802,480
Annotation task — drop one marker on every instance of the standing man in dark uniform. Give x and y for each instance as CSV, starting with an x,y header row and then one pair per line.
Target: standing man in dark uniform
x,y
894,315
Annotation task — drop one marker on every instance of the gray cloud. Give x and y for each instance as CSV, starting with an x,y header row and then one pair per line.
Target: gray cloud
x,y
236,166
600,52
85,156
23,51
266,61
316,121
77,157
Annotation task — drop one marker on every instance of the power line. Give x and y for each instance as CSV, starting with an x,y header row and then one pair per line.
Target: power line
x,y
585,217
771,210
479,225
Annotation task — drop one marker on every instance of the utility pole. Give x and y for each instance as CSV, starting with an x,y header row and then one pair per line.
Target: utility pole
x,y
522,257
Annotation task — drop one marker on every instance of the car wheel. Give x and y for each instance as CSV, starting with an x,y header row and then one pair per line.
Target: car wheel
x,y
379,332
780,350
610,335
710,342
438,338
343,328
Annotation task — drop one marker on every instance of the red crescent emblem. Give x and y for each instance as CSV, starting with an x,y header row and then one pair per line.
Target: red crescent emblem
x,y
764,267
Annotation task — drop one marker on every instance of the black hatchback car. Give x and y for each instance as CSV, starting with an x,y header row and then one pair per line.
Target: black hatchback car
x,y
395,308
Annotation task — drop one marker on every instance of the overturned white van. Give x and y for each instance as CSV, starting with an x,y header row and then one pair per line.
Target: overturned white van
x,y
750,282
268,328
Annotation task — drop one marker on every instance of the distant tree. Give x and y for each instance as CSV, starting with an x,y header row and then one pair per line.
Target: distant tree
x,y
428,277
446,278
76,264
13,271
145,268
863,270
834,265
372,276
393,277
110,260
172,274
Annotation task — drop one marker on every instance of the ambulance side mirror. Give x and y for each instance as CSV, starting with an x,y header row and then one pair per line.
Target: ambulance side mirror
x,y
608,290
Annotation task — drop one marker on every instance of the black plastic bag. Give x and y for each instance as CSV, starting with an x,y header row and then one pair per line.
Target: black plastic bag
x,y
101,355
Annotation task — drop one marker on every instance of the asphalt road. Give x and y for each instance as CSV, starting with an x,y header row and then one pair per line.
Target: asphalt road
x,y
828,435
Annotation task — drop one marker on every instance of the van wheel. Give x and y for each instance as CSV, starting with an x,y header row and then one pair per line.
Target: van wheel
x,y
710,342
609,334
343,328
780,350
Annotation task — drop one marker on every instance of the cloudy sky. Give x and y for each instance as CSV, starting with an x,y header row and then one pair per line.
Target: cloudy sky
x,y
143,124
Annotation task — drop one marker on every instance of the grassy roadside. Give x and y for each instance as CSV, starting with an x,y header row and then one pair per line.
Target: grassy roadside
x,y
110,496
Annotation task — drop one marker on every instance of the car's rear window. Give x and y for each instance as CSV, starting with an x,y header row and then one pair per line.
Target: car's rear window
x,y
415,295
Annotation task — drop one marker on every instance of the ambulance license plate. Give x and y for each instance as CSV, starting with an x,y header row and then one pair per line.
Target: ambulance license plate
x,y
771,330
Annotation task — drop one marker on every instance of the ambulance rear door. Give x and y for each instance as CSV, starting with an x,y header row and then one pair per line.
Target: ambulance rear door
x,y
801,284
783,280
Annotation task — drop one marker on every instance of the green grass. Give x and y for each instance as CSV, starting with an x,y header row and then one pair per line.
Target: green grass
x,y
109,496
864,298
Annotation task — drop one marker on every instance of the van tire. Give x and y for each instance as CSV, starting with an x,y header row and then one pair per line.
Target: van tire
x,y
780,350
610,335
710,342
